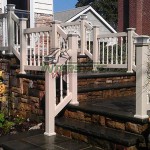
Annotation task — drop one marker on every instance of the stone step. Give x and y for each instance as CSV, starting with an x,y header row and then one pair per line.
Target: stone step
x,y
105,91
104,137
42,142
117,113
91,78
18,136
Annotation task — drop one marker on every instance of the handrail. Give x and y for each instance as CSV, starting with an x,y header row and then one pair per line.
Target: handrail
x,y
112,35
37,30
70,23
15,18
61,32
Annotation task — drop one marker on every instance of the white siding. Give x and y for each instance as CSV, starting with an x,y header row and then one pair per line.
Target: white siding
x,y
3,4
43,6
95,21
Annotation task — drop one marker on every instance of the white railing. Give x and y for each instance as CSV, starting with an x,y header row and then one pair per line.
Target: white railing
x,y
84,31
37,45
4,32
113,50
56,47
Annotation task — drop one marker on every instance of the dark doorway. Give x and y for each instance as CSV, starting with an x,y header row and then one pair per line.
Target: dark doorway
x,y
22,9
20,4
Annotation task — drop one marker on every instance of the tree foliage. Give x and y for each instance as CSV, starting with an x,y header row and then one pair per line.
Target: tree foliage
x,y
106,8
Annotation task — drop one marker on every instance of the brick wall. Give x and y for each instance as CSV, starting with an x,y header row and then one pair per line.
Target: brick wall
x,y
137,13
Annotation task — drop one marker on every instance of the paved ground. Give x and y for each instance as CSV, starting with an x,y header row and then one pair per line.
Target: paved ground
x,y
42,142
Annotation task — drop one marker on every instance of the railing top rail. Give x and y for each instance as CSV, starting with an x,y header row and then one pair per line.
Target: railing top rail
x,y
37,30
70,23
111,35
61,32
87,25
15,18
22,11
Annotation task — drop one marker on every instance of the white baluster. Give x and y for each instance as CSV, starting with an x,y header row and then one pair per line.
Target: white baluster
x,y
117,52
61,86
43,46
30,50
103,51
121,50
17,37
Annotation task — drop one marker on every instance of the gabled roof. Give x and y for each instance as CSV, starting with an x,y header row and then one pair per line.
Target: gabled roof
x,y
64,16
73,14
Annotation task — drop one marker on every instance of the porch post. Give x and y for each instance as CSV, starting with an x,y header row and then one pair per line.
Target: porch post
x,y
130,49
23,45
73,46
142,60
83,33
95,47
10,25
50,104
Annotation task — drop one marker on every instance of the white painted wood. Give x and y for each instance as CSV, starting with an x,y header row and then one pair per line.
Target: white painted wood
x,y
34,68
50,98
43,7
61,105
32,14
23,46
83,34
73,42
130,48
3,5
37,29
112,35
142,82
95,46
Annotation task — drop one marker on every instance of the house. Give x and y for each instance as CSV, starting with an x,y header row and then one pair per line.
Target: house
x,y
135,14
37,11
93,17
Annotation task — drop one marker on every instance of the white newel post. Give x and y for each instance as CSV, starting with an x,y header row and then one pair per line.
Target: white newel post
x,y
50,103
10,25
95,47
54,36
142,99
73,85
83,33
23,45
130,49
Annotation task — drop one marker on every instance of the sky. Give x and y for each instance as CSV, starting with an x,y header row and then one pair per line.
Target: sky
x,y
60,5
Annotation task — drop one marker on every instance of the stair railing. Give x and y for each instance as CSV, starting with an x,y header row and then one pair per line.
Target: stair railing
x,y
66,46
84,30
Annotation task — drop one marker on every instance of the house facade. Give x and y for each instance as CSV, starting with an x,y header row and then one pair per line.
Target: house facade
x,y
37,11
93,18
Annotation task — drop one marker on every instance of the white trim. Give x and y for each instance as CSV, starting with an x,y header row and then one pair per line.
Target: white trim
x,y
100,17
3,5
32,15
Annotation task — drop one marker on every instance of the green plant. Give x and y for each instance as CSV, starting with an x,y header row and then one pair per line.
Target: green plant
x,y
5,125
19,120
2,119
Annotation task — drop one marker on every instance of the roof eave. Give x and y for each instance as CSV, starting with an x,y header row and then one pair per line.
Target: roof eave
x,y
100,17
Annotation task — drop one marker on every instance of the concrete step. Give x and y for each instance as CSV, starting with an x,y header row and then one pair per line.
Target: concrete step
x,y
104,137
